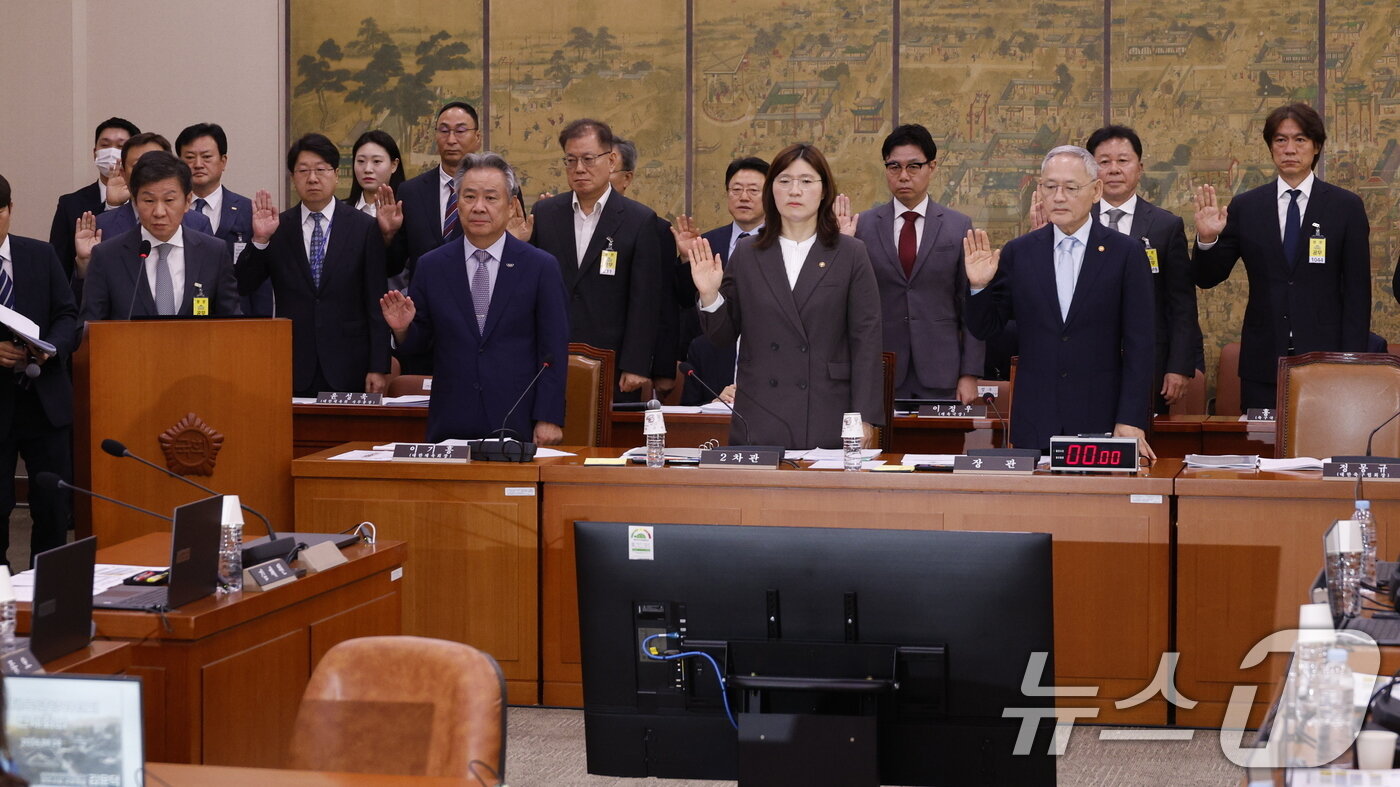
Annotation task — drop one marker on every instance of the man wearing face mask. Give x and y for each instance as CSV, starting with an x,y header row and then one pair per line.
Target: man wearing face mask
x,y
108,139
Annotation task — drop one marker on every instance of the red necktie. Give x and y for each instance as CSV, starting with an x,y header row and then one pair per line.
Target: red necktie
x,y
908,243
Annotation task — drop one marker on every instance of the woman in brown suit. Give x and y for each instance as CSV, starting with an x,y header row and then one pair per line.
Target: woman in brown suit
x,y
805,300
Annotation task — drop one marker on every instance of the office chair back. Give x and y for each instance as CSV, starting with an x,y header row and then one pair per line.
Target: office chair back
x,y
408,385
1330,402
588,396
404,705
1227,381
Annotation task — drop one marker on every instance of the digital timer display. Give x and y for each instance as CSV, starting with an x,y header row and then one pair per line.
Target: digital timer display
x,y
1094,454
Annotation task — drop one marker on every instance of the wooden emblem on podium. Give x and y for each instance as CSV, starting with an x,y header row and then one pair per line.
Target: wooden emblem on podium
x,y
191,447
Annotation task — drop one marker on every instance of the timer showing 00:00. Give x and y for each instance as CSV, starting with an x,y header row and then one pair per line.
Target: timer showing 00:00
x,y
1092,456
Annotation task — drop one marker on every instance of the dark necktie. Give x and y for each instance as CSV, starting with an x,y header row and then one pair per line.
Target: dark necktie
x,y
1114,214
200,204
908,243
7,288
481,288
450,224
318,248
1290,227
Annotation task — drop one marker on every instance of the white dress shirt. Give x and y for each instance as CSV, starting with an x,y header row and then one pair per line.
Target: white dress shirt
x,y
794,254
734,232
7,265
899,210
215,209
175,260
586,223
307,225
493,265
1306,187
368,208
1082,235
1125,222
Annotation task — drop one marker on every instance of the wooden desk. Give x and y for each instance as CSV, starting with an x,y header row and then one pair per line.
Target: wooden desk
x,y
100,657
1226,434
173,775
316,427
1248,545
473,539
1111,550
222,683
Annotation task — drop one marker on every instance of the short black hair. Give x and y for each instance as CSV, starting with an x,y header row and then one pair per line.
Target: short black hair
x,y
115,122
148,138
464,106
191,133
585,126
740,164
1307,119
910,134
1114,131
626,154
317,144
4,192
157,165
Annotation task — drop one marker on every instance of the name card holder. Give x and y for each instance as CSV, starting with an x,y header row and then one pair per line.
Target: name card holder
x,y
20,662
756,459
1371,471
322,556
994,465
346,397
1260,414
265,576
432,452
952,411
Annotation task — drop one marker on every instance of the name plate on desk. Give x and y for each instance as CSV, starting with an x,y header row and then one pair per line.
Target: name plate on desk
x,y
1377,471
20,662
994,465
1260,414
432,452
952,410
760,459
345,397
266,576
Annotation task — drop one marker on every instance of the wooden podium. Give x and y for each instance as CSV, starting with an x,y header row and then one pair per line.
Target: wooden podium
x,y
208,398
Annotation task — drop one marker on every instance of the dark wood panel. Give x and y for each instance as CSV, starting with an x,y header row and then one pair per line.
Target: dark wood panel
x,y
249,710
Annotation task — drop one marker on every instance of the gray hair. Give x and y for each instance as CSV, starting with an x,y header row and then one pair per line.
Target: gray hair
x,y
627,151
1090,165
493,161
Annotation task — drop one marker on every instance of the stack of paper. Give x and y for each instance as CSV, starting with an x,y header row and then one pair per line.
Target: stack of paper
x,y
1292,463
1223,461
937,460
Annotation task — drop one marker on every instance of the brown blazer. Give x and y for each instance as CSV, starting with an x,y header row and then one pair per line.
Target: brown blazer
x,y
808,353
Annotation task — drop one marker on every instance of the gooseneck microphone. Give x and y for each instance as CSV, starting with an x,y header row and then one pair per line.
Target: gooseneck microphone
x,y
501,449
143,253
274,546
688,369
52,482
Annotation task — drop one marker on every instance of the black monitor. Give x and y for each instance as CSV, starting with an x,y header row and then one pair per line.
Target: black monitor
x,y
924,635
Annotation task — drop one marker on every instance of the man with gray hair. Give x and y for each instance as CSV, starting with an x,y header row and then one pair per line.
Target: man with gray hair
x,y
1081,295
491,310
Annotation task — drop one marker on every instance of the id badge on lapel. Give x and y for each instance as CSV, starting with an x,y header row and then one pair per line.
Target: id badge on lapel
x,y
201,303
1317,246
608,265
1151,254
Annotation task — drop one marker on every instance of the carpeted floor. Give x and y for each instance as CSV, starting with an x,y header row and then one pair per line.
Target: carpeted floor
x,y
545,747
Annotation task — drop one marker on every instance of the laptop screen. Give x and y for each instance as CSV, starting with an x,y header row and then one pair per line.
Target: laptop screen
x,y
75,731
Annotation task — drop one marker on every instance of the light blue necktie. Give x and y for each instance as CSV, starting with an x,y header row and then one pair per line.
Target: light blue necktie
x,y
1064,274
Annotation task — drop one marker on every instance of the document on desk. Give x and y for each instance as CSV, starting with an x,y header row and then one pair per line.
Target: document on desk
x,y
937,460
104,576
365,456
829,454
407,399
840,464
682,409
713,407
1291,463
1223,461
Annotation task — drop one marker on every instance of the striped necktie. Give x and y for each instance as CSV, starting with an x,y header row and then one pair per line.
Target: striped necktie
x,y
451,227
318,247
7,287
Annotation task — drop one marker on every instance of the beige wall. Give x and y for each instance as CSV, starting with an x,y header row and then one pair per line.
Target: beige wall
x,y
162,64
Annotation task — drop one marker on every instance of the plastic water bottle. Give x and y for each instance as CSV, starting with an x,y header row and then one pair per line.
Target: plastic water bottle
x,y
851,453
1334,726
1315,637
7,611
231,546
655,428
1367,519
852,432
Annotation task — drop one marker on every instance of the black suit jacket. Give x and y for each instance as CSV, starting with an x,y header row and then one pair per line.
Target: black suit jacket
x,y
117,286
236,226
338,324
70,208
618,312
1084,372
42,295
1326,306
422,221
1178,327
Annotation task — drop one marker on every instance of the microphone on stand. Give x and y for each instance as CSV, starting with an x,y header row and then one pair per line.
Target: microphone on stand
x,y
253,554
52,482
504,449
688,369
143,253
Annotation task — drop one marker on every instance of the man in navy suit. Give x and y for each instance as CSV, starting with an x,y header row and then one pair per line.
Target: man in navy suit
x,y
107,143
204,147
1081,295
743,183
36,413
1306,246
326,262
428,200
915,247
182,272
490,309
608,253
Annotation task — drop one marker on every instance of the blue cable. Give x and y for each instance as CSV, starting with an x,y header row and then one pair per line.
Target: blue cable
x,y
719,674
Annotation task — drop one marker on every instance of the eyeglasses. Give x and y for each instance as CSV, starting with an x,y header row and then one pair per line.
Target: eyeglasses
x,y
804,184
588,160
1049,189
913,167
461,131
740,191
304,172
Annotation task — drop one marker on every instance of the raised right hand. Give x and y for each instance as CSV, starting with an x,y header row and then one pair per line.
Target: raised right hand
x,y
388,212
265,218
1210,216
685,233
85,237
398,310
980,259
706,270
1036,216
117,192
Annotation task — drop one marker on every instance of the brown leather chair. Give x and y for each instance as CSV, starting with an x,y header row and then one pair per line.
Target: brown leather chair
x,y
1003,397
408,385
1330,402
404,705
884,436
1194,402
588,396
1227,380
